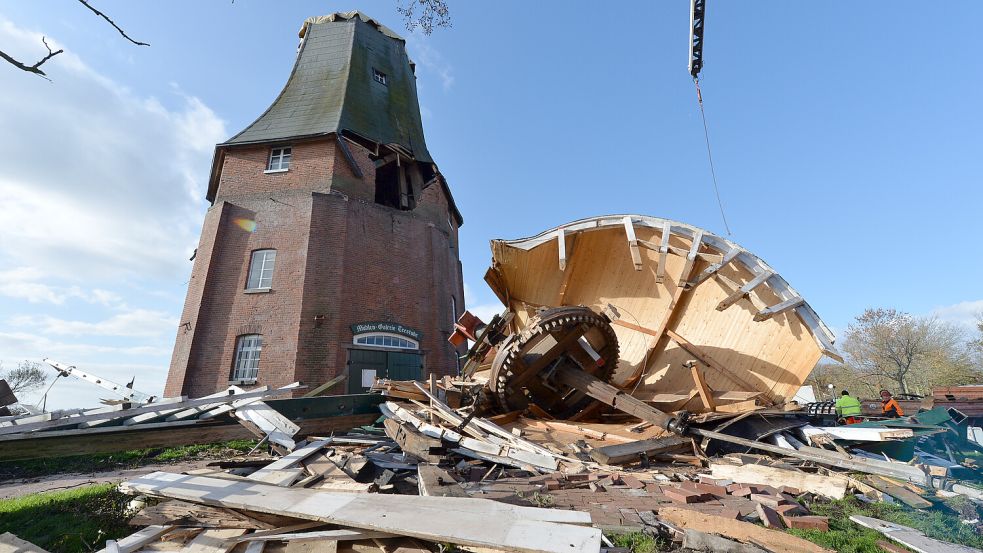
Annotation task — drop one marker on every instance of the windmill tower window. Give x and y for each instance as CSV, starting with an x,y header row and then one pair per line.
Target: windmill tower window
x,y
380,77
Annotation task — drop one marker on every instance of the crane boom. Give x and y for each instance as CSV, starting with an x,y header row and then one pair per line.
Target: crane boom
x,y
697,13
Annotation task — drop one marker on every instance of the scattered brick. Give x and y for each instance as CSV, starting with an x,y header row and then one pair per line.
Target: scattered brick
x,y
811,522
769,517
773,501
792,510
631,482
685,496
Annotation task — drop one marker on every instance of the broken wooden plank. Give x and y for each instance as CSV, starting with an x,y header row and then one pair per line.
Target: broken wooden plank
x,y
702,541
214,540
827,486
326,386
435,481
911,538
346,534
737,530
474,522
412,442
140,538
898,491
182,513
291,460
277,428
623,453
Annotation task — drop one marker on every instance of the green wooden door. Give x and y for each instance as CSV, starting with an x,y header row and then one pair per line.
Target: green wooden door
x,y
366,364
363,364
405,366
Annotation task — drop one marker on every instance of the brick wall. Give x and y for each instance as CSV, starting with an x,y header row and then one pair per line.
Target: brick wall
x,y
341,259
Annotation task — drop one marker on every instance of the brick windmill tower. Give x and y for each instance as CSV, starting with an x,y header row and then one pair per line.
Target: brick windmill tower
x,y
331,243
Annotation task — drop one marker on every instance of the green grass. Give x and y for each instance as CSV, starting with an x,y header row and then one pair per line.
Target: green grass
x,y
846,536
120,460
638,542
70,521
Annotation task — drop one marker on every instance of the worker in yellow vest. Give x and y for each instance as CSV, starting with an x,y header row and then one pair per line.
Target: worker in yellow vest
x,y
848,408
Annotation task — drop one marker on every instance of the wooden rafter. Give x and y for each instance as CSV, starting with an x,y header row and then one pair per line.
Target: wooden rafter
x,y
561,247
706,359
712,269
744,290
773,310
636,255
660,272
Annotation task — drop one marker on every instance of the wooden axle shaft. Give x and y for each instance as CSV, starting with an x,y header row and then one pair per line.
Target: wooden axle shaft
x,y
622,401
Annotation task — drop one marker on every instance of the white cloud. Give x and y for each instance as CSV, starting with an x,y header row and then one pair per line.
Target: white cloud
x,y
429,59
25,345
96,182
136,322
964,313
102,191
484,311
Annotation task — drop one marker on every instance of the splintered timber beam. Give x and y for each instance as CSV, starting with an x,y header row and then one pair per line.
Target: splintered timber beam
x,y
636,255
745,290
782,307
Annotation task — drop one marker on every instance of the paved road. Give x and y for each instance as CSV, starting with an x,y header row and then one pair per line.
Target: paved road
x,y
19,487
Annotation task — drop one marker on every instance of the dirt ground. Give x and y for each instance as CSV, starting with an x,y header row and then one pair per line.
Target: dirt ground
x,y
24,486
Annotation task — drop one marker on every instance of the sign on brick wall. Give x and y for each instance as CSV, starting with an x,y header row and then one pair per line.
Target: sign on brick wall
x,y
392,328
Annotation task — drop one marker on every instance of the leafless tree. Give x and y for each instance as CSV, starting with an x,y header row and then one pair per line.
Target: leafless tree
x,y
891,348
36,67
28,375
425,14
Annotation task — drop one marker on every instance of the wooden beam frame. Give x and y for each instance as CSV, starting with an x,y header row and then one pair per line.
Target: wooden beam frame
x,y
705,358
706,396
660,271
745,290
561,246
782,307
636,256
712,269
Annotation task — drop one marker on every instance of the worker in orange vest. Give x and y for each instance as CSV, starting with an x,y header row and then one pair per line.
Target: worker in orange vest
x,y
889,406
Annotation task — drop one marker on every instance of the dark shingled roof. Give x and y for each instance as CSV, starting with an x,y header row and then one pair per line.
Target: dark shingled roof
x,y
331,88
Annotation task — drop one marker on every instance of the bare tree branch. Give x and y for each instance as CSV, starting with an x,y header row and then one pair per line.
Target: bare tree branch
x,y
36,68
432,13
113,23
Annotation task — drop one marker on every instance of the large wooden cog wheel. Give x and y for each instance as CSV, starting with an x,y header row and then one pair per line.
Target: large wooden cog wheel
x,y
563,337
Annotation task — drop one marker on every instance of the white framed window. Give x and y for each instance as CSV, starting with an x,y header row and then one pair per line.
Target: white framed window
x,y
261,270
246,364
279,159
380,77
386,340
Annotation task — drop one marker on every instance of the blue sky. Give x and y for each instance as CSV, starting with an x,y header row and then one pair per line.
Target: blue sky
x,y
846,140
